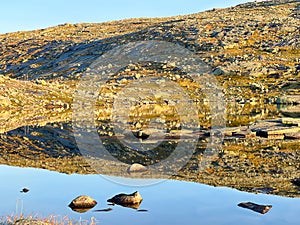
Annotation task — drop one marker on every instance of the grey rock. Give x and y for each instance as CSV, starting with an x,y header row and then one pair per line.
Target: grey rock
x,y
218,72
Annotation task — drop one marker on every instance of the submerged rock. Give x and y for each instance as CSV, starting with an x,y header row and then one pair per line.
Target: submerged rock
x,y
127,199
255,207
82,202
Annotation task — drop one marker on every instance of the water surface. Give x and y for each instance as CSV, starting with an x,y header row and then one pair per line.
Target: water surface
x,y
167,202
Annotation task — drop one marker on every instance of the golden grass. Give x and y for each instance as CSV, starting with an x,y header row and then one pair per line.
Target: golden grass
x,y
51,220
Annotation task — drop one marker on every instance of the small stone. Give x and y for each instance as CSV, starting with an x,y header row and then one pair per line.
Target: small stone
x,y
292,136
296,182
218,72
137,168
137,75
24,190
265,190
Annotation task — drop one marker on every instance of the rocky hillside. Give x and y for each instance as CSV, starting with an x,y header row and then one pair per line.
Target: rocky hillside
x,y
253,40
253,49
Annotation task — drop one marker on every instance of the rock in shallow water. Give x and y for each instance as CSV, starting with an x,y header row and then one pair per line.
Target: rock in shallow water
x,y
83,202
126,199
24,190
255,207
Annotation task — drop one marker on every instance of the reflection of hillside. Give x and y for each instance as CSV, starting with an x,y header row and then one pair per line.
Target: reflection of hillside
x,y
242,164
254,55
38,103
27,103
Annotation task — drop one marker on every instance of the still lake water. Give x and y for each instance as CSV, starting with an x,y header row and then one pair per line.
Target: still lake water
x,y
167,202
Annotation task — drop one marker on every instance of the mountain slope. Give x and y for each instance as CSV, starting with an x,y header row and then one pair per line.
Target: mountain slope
x,y
248,39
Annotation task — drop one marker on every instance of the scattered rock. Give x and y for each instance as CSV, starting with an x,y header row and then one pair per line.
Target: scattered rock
x,y
127,199
218,72
291,121
277,132
296,181
255,207
289,99
266,190
137,168
82,202
292,136
244,134
291,111
24,190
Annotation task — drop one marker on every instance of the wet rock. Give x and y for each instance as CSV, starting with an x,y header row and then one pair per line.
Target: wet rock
x,y
137,168
82,202
126,199
255,207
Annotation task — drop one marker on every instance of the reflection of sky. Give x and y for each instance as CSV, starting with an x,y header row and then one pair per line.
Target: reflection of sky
x,y
33,14
169,202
